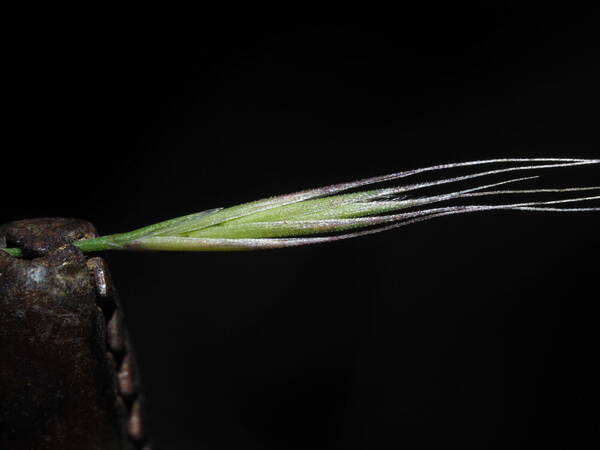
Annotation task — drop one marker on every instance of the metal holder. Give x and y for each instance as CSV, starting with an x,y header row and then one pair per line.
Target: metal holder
x,y
68,375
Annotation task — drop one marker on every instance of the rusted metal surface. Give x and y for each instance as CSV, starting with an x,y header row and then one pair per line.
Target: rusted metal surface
x,y
36,237
68,376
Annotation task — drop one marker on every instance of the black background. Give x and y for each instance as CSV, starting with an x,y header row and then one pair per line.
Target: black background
x,y
473,331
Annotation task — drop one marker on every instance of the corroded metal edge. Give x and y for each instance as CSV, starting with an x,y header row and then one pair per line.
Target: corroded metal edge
x,y
120,351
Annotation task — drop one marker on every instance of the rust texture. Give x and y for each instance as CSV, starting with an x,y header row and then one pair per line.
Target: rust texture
x,y
36,237
68,376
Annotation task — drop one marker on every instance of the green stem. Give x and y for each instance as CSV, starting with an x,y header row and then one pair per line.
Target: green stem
x,y
111,242
13,251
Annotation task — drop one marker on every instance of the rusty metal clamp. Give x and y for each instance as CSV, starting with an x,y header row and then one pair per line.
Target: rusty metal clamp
x,y
68,375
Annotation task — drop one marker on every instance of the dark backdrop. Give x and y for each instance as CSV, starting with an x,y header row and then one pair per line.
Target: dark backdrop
x,y
473,331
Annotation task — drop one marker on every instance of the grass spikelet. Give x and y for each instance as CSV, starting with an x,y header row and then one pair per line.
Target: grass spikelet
x,y
333,213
